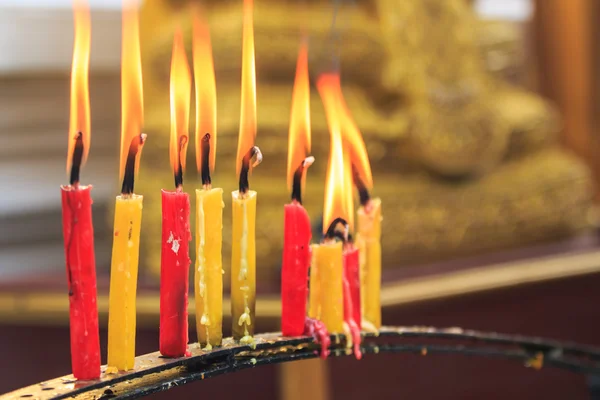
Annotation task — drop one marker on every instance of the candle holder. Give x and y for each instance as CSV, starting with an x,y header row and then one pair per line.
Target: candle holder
x,y
154,374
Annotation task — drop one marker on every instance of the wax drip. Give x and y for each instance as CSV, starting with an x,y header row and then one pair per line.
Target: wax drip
x,y
253,153
318,330
205,165
77,159
135,149
179,170
298,174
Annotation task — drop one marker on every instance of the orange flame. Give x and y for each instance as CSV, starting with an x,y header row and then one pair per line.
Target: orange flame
x,y
247,133
206,88
132,106
181,88
79,118
299,134
338,186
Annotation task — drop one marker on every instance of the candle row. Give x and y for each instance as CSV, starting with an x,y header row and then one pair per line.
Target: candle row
x,y
344,287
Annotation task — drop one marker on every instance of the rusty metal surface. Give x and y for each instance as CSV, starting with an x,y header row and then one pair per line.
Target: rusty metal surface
x,y
154,373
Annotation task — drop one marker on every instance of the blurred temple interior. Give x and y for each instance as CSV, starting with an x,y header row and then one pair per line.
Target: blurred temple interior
x,y
480,119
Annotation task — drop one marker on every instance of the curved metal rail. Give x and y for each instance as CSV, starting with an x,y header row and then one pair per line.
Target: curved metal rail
x,y
153,373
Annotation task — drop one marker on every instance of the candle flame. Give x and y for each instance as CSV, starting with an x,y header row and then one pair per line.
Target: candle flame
x,y
79,117
206,89
132,106
247,133
338,185
299,133
180,91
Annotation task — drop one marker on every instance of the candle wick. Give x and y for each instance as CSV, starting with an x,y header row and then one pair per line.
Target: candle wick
x,y
363,192
334,233
298,175
76,161
253,154
135,149
205,163
179,170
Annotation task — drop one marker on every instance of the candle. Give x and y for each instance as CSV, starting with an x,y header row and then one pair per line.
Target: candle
x,y
208,274
368,238
297,228
78,231
341,255
243,250
175,261
128,206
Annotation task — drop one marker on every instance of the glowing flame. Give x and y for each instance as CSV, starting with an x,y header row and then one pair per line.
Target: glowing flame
x,y
206,89
79,118
299,134
338,186
132,106
248,110
181,88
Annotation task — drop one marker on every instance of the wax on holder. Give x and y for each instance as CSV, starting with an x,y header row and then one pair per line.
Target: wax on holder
x,y
78,233
208,275
174,273
369,241
294,273
243,266
123,282
327,258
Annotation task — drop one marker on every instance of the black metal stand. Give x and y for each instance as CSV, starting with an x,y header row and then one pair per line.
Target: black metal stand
x,y
153,373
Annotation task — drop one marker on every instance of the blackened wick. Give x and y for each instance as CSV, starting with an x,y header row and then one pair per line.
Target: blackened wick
x,y
297,183
179,171
253,153
77,158
205,166
135,149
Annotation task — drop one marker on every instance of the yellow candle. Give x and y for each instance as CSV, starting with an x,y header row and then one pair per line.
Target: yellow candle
x,y
123,283
314,297
369,243
208,275
327,260
243,266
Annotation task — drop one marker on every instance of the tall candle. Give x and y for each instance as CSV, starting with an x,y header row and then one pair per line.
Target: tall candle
x,y
243,250
297,228
175,261
128,206
78,231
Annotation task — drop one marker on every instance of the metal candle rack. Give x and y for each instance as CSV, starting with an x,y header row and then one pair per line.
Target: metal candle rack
x,y
154,373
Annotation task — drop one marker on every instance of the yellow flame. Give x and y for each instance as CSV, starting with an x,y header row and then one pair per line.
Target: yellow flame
x,y
299,133
247,133
180,91
132,106
338,185
79,117
206,88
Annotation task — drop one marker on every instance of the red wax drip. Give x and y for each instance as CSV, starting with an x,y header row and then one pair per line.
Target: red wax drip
x,y
294,273
78,233
318,330
174,273
352,314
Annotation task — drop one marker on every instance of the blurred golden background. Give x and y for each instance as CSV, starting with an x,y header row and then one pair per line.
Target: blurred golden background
x,y
480,118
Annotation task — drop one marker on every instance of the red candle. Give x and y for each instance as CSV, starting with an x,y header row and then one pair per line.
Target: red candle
x,y
174,273
175,260
297,228
78,231
296,261
78,235
351,278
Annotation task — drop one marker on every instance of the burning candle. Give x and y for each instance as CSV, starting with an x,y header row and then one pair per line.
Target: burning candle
x,y
297,229
243,251
338,249
128,207
175,260
78,230
368,238
208,276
